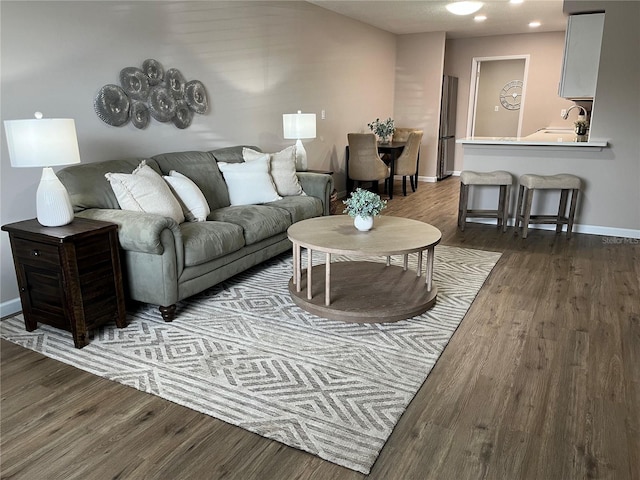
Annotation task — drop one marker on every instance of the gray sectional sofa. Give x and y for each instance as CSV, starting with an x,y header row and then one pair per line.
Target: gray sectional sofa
x,y
165,262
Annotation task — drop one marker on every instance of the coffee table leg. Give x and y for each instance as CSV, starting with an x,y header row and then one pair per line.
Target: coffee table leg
x,y
406,262
420,263
309,270
327,280
298,266
388,261
430,254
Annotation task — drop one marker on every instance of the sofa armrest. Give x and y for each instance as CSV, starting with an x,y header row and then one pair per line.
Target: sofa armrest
x,y
138,231
318,185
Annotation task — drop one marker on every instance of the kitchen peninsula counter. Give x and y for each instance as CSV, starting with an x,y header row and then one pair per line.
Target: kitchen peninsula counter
x,y
559,141
545,153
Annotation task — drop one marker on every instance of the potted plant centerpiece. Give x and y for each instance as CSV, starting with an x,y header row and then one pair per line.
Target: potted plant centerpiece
x,y
582,126
384,130
363,205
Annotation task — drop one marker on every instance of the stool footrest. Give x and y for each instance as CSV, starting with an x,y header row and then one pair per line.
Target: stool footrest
x,y
483,213
545,219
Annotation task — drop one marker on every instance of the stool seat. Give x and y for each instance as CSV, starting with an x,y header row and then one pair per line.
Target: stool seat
x,y
529,183
560,181
498,177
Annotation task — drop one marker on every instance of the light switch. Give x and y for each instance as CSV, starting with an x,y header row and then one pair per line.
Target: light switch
x,y
496,109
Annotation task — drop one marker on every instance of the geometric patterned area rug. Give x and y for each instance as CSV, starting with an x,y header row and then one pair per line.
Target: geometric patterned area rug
x,y
244,353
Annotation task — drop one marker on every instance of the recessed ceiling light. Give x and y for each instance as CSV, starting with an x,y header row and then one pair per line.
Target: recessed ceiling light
x,y
464,8
534,24
480,18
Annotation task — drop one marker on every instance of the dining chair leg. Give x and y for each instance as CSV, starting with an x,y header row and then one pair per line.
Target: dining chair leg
x,y
404,185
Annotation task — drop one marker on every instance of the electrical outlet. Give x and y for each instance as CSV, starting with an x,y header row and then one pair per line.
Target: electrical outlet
x,y
563,112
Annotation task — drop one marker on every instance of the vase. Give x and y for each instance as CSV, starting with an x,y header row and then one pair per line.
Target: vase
x,y
384,140
364,224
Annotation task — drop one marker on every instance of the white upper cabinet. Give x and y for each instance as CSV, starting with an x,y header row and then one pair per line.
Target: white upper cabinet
x,y
581,56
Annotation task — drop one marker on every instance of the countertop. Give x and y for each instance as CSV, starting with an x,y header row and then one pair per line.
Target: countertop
x,y
547,137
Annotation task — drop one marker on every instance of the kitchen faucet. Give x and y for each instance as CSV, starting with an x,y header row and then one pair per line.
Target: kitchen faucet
x,y
566,114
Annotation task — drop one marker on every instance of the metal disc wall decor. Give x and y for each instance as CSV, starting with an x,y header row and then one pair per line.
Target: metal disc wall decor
x,y
175,81
154,70
149,92
162,105
139,114
112,105
196,96
135,83
183,116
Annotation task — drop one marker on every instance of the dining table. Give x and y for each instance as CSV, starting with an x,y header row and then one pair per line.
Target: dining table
x,y
392,151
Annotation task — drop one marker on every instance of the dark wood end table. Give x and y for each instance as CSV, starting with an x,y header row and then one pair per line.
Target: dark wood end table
x,y
69,277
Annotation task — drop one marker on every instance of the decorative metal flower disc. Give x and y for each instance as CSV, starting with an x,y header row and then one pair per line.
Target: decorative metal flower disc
x,y
183,116
135,83
162,105
196,96
153,70
174,81
112,105
139,114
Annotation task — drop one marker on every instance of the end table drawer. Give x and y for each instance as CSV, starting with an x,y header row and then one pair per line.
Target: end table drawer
x,y
36,253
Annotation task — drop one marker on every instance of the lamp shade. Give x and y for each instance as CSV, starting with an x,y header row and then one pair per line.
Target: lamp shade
x,y
43,142
299,125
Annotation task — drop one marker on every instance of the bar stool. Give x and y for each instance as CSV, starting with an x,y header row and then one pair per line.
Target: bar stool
x,y
499,178
565,183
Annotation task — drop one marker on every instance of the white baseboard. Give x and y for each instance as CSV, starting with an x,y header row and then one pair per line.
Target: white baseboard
x,y
625,235
10,307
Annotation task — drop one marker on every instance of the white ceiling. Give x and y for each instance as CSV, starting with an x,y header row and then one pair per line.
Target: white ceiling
x,y
420,16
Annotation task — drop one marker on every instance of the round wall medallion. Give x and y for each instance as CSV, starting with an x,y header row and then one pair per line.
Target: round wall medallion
x,y
511,95
153,70
135,83
183,116
162,105
139,114
174,81
196,96
112,105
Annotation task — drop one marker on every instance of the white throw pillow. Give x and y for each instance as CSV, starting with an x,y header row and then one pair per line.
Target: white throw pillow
x,y
249,183
282,169
144,190
194,204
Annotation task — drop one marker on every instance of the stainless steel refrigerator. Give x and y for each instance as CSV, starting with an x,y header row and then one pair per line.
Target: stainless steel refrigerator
x,y
447,131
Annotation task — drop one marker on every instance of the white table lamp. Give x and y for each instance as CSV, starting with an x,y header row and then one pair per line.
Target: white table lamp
x,y
299,126
45,143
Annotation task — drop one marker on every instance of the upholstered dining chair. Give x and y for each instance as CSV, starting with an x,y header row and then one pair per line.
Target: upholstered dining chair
x,y
365,164
407,162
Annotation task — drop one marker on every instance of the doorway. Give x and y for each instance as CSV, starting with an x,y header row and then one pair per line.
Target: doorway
x,y
497,96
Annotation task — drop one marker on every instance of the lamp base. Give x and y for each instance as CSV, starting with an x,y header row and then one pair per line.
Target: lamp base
x,y
53,204
301,157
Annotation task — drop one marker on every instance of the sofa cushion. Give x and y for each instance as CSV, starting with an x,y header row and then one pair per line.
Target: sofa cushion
x,y
202,168
249,183
144,190
300,207
87,186
193,203
206,241
257,221
231,154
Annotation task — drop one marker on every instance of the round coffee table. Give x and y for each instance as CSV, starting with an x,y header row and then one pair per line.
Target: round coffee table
x,y
363,291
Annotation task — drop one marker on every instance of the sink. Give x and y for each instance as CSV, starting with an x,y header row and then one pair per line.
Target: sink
x,y
556,131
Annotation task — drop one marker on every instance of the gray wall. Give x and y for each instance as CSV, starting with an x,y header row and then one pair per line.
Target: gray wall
x,y
257,60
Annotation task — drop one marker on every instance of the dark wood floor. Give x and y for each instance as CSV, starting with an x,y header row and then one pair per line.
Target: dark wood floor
x,y
541,381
